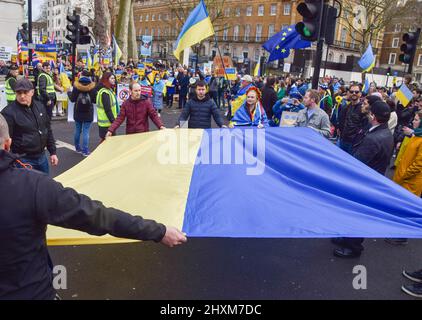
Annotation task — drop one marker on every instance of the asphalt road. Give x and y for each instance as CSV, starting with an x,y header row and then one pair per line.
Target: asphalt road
x,y
290,269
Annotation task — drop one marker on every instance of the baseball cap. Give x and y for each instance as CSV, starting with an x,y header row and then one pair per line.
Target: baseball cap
x,y
23,85
247,78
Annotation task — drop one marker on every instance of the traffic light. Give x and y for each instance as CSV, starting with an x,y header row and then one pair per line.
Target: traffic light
x,y
389,71
409,47
84,37
311,11
73,28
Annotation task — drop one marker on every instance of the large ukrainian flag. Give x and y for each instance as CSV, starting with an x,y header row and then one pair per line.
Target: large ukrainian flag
x,y
197,27
251,183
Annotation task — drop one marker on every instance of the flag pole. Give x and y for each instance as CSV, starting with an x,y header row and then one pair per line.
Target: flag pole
x,y
221,57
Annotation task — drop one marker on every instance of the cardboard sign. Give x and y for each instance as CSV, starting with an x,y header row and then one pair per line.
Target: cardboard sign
x,y
146,91
231,74
5,53
220,65
288,119
123,93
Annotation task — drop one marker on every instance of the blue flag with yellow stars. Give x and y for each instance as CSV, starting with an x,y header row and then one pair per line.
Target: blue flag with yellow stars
x,y
280,44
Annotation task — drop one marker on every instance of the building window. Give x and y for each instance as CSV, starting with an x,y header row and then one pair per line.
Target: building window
x,y
249,11
261,10
236,33
159,17
273,11
147,17
420,60
146,31
234,52
237,12
158,33
140,18
392,58
341,59
227,12
247,32
395,42
287,9
58,22
152,31
397,27
225,32
258,32
330,57
153,17
271,30
343,35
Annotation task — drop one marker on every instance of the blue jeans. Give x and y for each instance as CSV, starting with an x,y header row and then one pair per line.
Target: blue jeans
x,y
40,164
82,127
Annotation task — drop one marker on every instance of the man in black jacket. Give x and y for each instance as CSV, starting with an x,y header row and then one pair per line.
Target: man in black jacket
x,y
375,151
29,202
355,121
200,109
269,97
29,127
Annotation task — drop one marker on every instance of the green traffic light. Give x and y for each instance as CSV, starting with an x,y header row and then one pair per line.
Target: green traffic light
x,y
307,32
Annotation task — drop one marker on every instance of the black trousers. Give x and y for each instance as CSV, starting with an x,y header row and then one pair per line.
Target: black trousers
x,y
182,100
354,244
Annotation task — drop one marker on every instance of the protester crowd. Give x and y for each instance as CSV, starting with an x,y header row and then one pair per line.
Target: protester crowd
x,y
369,123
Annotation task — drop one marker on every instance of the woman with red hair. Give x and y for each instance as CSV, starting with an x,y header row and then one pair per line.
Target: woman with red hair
x,y
106,103
251,113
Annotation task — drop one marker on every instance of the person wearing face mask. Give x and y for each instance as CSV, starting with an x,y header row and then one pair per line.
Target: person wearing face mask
x,y
375,150
30,129
251,113
136,111
106,103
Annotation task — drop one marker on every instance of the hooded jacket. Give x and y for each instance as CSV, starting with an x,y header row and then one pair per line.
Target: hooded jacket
x,y
24,259
136,113
30,129
79,114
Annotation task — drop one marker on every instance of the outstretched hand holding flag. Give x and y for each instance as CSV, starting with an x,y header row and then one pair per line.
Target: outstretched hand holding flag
x,y
197,27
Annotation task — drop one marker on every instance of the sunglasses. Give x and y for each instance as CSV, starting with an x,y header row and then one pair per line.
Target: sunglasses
x,y
354,92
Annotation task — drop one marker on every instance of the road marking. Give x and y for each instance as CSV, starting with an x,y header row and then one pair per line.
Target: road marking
x,y
61,144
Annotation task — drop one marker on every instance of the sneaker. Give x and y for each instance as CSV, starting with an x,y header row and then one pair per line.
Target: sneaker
x,y
414,276
414,290
78,149
86,153
397,241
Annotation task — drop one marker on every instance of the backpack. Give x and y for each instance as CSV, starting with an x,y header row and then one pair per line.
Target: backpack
x,y
83,102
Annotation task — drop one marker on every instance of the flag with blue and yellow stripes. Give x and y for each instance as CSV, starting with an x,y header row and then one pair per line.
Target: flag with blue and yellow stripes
x,y
197,27
243,182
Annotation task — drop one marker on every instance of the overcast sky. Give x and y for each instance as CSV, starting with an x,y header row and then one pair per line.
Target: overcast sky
x,y
36,8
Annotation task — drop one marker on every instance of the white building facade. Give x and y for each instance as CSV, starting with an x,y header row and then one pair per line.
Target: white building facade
x,y
57,10
11,19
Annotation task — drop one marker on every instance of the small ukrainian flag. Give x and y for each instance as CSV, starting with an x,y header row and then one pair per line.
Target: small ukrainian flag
x,y
404,95
367,62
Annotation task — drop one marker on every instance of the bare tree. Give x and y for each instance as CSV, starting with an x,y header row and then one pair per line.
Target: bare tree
x,y
102,25
43,12
379,13
122,26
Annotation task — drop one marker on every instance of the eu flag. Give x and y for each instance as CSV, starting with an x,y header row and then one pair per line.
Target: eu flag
x,y
280,44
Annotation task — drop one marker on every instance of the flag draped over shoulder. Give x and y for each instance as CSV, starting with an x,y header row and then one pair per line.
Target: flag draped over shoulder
x,y
367,62
280,44
197,27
